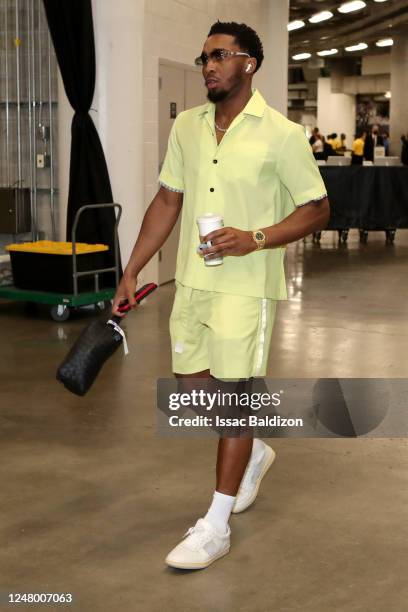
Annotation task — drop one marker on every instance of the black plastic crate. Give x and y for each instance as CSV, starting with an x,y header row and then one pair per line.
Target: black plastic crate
x,y
49,272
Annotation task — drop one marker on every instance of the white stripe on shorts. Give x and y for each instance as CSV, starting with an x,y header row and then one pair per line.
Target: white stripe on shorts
x,y
261,340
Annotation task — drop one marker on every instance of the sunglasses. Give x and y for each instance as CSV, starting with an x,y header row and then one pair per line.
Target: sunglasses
x,y
218,55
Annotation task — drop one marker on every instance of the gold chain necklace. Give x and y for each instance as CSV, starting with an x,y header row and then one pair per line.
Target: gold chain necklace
x,y
220,128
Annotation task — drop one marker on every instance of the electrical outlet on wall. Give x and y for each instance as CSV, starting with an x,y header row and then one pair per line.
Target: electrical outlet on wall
x,y
43,160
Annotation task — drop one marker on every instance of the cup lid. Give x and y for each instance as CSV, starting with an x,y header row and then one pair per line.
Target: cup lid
x,y
215,217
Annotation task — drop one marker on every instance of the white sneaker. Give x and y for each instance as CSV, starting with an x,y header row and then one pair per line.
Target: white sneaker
x,y
251,480
202,546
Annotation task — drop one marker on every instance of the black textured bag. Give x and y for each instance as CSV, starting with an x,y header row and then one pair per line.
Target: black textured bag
x,y
93,347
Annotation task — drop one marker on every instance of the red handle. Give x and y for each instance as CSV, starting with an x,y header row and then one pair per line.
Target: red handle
x,y
139,295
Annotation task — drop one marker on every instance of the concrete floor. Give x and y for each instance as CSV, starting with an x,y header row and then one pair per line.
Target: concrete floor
x,y
92,499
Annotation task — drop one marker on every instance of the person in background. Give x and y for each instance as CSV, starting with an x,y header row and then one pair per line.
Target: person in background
x,y
343,144
373,139
357,148
314,136
404,150
386,142
318,147
334,142
327,149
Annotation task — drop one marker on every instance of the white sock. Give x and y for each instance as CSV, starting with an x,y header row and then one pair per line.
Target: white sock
x,y
258,449
219,512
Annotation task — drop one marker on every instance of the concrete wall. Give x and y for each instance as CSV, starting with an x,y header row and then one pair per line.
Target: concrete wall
x,y
335,112
118,107
399,92
376,64
373,84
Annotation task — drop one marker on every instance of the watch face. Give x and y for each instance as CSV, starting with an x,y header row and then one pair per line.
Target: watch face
x,y
259,236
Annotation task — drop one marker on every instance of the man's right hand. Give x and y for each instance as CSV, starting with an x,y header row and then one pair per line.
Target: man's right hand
x,y
125,291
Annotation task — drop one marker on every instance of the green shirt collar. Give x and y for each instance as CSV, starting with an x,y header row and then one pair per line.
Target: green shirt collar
x,y
255,106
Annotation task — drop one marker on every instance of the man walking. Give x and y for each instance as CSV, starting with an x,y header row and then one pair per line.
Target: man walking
x,y
372,140
239,158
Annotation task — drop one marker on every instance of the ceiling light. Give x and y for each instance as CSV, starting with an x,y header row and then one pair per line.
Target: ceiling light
x,y
358,47
327,52
385,42
301,56
349,7
322,16
380,0
387,94
295,25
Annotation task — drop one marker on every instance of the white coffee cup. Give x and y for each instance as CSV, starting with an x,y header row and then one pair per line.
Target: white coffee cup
x,y
208,223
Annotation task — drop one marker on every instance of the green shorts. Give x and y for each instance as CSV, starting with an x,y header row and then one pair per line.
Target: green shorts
x,y
227,334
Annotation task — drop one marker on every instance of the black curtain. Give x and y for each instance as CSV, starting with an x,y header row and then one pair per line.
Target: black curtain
x,y
71,27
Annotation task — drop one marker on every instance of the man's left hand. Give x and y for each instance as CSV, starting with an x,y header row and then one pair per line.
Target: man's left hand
x,y
228,241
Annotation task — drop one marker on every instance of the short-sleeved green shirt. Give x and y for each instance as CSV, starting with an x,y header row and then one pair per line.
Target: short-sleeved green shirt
x,y
261,170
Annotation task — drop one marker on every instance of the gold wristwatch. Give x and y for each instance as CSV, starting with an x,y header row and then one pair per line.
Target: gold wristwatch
x,y
259,238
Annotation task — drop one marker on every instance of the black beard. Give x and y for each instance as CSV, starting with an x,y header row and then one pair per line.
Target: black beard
x,y
217,96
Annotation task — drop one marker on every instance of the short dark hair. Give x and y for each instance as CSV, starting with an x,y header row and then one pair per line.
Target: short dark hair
x,y
245,37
